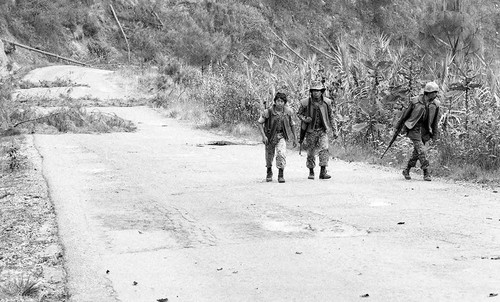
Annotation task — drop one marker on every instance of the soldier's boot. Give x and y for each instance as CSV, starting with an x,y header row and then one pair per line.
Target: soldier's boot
x,y
406,173
427,176
323,174
280,176
311,173
269,176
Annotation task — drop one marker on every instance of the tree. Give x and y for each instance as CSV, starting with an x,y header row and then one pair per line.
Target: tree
x,y
452,29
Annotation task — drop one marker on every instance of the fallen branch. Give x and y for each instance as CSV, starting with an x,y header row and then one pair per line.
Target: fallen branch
x,y
322,52
282,58
287,46
250,60
327,42
44,52
121,29
157,18
36,119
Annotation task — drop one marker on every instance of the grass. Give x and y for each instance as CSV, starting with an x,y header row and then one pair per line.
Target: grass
x,y
80,120
351,153
49,84
21,286
28,228
13,159
399,154
469,173
75,118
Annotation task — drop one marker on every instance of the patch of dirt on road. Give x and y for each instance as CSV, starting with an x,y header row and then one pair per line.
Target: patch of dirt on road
x,y
31,256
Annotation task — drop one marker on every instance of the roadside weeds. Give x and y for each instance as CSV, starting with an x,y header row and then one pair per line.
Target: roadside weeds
x,y
31,256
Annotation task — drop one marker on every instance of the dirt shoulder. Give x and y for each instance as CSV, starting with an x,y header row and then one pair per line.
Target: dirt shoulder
x,y
30,250
31,254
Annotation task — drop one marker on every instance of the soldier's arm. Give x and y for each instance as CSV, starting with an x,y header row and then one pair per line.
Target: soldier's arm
x,y
404,116
331,116
292,126
260,123
302,114
435,124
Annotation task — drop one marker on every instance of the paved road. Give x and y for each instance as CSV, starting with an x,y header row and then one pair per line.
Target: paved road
x,y
161,214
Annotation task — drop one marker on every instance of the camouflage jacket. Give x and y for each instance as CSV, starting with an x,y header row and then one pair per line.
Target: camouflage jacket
x,y
412,117
270,121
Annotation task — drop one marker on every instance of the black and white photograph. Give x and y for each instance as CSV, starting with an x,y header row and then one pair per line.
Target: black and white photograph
x,y
249,150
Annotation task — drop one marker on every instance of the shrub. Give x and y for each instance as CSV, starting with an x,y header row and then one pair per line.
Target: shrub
x,y
90,28
228,98
479,145
22,286
98,50
7,105
78,119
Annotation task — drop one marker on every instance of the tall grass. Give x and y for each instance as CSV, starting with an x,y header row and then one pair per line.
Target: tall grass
x,y
370,83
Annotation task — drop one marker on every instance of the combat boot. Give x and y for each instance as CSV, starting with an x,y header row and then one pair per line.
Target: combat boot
x,y
427,176
323,174
406,173
269,176
280,176
311,173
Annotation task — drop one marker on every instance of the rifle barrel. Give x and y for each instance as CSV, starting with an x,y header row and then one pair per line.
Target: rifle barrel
x,y
394,137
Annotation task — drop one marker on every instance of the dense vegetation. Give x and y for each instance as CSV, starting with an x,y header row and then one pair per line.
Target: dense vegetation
x,y
229,57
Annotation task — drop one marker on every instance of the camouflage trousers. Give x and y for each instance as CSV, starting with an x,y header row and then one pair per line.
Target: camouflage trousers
x,y
276,146
418,155
316,142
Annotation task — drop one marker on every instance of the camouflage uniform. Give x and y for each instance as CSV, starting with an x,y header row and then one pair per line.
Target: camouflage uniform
x,y
420,123
276,146
317,120
316,142
418,153
278,128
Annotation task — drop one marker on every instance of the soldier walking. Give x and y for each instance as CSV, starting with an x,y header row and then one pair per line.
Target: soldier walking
x,y
420,123
277,127
316,115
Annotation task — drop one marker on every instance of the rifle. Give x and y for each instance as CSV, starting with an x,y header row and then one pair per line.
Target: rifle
x,y
303,127
302,135
394,137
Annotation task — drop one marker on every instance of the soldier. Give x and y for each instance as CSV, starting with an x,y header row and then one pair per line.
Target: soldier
x,y
316,115
420,123
277,127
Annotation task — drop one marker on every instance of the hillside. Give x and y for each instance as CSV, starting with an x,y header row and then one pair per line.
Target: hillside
x,y
218,31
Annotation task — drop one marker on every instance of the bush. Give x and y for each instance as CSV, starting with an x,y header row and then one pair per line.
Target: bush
x,y
228,99
478,145
78,119
7,105
144,43
173,76
90,28
99,51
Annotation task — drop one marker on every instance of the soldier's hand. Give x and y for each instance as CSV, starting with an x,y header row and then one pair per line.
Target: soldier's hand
x,y
265,140
295,144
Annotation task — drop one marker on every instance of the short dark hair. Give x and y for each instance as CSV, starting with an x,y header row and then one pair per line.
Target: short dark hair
x,y
281,95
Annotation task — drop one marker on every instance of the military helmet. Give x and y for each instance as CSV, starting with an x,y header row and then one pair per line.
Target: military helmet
x,y
431,87
317,85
